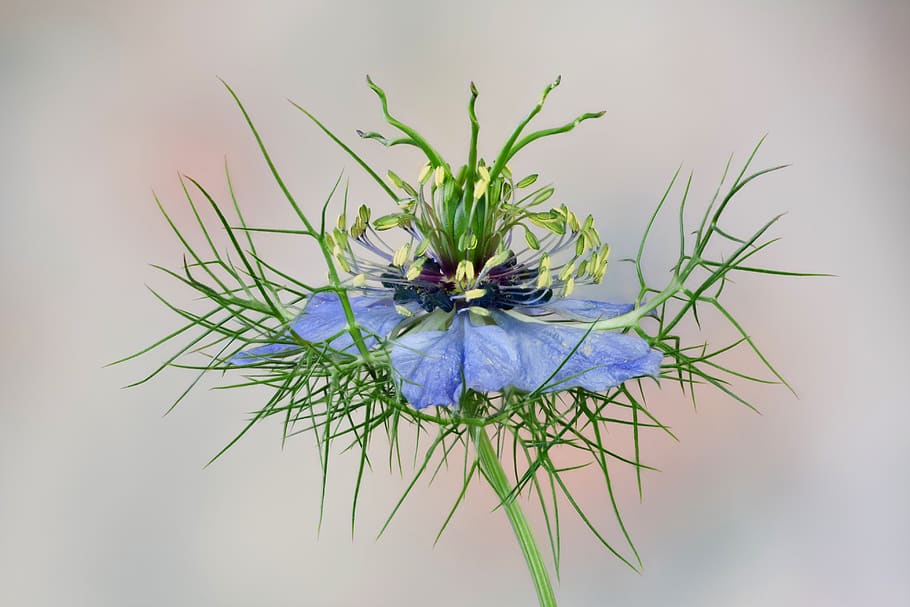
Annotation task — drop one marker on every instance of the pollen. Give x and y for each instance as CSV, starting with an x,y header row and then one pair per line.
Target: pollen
x,y
544,280
401,255
469,271
474,294
544,265
464,271
567,271
422,248
415,269
480,188
424,173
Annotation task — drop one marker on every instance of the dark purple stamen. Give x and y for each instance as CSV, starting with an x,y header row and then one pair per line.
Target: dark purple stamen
x,y
507,285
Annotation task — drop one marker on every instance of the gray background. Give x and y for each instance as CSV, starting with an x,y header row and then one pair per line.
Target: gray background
x,y
103,502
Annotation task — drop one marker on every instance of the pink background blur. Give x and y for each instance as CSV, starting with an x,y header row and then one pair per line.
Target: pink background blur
x,y
104,503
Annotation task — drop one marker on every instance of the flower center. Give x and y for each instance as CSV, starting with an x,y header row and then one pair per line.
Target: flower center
x,y
503,287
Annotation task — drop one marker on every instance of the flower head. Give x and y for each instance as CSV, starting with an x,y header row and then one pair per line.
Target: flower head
x,y
475,296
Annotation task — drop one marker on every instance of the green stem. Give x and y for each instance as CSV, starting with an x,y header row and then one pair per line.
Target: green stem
x,y
496,476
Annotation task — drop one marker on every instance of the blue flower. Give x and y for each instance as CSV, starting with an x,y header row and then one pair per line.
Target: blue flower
x,y
544,347
462,304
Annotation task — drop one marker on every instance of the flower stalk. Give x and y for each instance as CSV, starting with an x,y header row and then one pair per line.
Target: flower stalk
x,y
492,470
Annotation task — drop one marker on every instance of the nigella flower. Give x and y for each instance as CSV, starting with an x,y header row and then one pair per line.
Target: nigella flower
x,y
462,298
469,308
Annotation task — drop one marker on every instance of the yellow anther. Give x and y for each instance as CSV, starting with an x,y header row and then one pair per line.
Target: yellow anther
x,y
527,181
544,265
415,269
439,176
359,280
570,286
401,255
495,260
582,268
544,280
581,245
357,229
424,173
464,271
600,270
567,271
341,238
403,311
421,248
342,221
484,173
480,188
395,179
388,221
344,264
592,236
474,294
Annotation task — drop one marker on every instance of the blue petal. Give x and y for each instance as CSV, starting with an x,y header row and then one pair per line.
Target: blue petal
x,y
257,355
490,357
322,319
428,365
433,367
600,360
578,309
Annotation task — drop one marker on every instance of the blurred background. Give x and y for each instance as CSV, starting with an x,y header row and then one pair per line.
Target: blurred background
x,y
103,501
